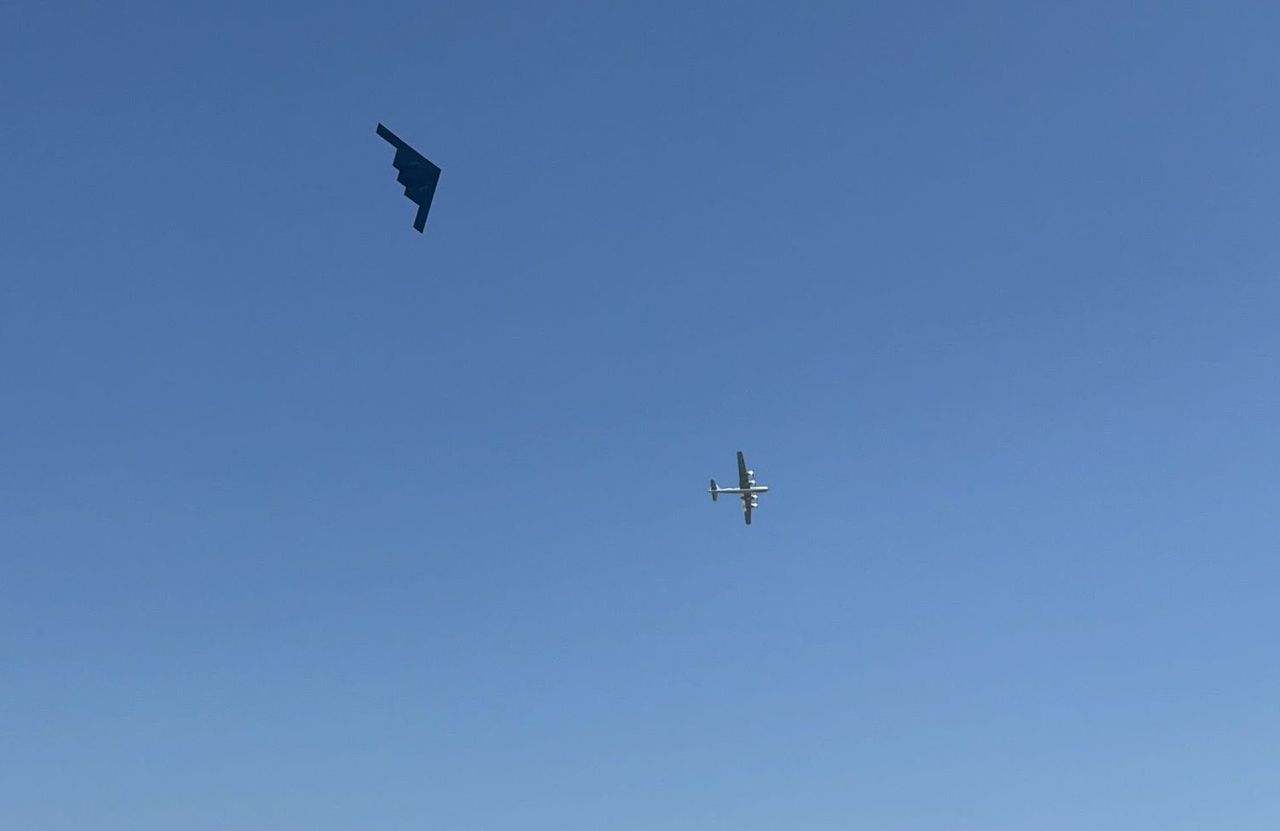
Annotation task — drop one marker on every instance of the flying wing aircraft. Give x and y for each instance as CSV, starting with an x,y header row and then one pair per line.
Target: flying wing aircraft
x,y
417,174
747,489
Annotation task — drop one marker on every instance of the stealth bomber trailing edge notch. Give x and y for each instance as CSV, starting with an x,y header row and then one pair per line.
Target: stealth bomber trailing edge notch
x,y
418,175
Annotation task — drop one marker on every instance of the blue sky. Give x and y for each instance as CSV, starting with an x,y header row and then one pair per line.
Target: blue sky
x,y
307,521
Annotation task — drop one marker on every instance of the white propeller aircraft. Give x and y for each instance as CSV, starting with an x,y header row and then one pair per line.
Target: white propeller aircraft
x,y
747,489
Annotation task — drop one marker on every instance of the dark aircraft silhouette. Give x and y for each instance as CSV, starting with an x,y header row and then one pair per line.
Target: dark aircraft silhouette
x,y
418,176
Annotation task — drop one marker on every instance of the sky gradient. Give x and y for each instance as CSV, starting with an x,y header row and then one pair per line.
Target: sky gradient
x,y
310,522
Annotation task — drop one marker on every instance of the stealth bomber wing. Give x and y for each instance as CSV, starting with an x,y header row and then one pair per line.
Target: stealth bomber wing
x,y
418,175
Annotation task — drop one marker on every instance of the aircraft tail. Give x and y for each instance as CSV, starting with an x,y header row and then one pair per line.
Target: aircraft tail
x,y
715,491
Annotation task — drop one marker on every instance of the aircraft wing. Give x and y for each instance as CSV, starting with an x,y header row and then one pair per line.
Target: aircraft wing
x,y
746,507
743,479
418,175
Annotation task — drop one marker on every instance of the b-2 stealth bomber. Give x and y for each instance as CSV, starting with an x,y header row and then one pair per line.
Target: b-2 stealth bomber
x,y
418,175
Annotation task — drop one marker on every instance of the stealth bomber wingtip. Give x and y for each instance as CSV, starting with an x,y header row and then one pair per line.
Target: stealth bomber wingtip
x,y
418,175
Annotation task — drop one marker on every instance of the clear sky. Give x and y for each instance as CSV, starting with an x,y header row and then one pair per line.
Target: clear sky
x,y
310,522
